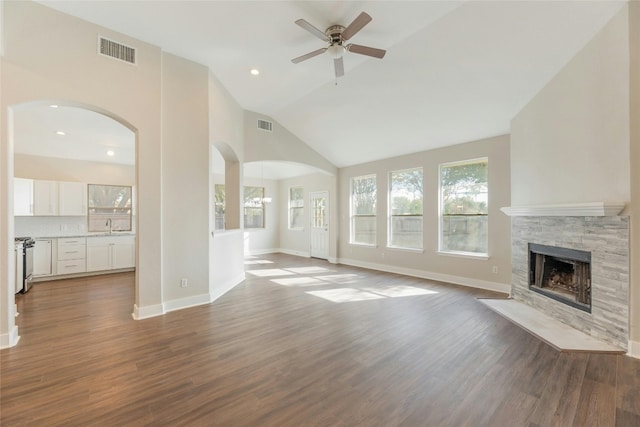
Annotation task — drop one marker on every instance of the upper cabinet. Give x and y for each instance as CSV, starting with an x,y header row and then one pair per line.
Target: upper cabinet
x,y
72,198
45,197
22,197
49,198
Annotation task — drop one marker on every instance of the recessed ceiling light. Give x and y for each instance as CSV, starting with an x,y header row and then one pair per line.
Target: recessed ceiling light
x,y
61,133
110,153
254,71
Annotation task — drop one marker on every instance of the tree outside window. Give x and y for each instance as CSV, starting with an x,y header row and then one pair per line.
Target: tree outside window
x,y
405,208
363,210
464,199
253,207
296,208
219,206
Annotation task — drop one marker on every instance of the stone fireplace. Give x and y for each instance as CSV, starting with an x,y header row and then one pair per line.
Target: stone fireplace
x,y
574,267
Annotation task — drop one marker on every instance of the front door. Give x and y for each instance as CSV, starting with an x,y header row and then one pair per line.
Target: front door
x,y
319,224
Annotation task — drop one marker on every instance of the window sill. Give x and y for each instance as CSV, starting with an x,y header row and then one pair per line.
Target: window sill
x,y
399,248
296,229
467,255
363,245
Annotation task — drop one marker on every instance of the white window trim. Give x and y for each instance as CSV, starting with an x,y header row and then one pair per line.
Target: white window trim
x,y
351,214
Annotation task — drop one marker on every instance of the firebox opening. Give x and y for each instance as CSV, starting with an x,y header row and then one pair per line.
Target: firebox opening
x,y
561,274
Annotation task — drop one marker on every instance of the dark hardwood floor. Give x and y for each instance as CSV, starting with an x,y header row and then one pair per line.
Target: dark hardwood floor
x,y
300,343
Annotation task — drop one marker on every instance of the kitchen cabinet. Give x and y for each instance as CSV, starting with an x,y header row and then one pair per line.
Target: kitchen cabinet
x,y
43,257
45,198
71,255
22,197
110,252
72,199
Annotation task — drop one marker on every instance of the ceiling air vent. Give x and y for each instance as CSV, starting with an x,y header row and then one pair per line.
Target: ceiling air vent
x,y
117,50
265,125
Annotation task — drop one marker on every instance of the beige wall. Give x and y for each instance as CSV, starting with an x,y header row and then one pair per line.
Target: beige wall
x,y
634,210
578,140
429,263
56,169
185,178
570,144
297,241
279,145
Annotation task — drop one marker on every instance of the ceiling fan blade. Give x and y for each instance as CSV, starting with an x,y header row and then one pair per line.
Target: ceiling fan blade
x,y
309,55
357,24
366,50
313,30
338,65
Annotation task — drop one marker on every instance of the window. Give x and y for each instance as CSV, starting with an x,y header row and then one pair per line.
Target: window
x,y
464,196
363,210
253,207
296,208
218,201
405,209
109,207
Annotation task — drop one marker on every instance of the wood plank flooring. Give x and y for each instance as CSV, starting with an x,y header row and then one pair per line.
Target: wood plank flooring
x,y
300,343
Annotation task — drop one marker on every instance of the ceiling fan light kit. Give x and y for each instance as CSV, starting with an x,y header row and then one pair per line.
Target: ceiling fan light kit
x,y
336,35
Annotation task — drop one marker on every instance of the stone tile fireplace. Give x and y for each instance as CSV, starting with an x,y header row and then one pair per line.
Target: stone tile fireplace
x,y
574,267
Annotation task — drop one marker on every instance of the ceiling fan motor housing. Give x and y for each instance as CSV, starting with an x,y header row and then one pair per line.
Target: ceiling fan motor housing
x,y
334,32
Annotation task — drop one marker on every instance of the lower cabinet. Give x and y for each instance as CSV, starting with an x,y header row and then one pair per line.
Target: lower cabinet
x,y
111,253
72,255
43,257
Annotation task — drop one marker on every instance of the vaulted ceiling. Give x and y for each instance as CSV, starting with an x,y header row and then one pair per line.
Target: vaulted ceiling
x,y
455,71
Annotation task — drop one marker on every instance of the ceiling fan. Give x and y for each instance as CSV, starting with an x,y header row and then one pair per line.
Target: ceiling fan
x,y
336,35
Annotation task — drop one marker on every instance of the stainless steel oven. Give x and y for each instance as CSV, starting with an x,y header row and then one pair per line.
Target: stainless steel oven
x,y
24,263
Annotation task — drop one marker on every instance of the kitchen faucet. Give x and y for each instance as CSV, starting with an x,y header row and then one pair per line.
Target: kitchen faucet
x,y
109,224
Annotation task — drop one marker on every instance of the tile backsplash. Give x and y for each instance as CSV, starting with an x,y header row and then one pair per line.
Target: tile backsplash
x,y
50,226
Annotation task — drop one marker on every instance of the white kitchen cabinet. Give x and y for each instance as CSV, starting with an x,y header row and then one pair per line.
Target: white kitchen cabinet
x,y
45,198
72,198
22,197
71,255
43,257
110,252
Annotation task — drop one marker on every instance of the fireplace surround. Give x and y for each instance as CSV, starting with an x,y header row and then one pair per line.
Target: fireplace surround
x,y
606,239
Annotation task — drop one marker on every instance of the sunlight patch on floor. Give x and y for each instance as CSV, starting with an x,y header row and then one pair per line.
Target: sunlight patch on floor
x,y
258,261
269,272
339,278
308,270
399,291
345,295
299,281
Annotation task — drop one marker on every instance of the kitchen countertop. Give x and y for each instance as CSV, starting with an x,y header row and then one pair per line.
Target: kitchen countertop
x,y
67,236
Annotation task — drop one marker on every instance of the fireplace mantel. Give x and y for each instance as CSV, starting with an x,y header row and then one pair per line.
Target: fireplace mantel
x,y
571,209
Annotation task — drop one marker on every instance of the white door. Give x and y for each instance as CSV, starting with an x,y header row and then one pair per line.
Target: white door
x,y
319,203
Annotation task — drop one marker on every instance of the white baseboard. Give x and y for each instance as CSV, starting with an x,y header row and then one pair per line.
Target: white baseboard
x,y
262,252
9,339
634,349
180,303
456,280
305,254
146,312
226,287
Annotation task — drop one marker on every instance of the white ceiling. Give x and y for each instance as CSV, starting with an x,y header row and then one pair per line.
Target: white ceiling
x,y
454,71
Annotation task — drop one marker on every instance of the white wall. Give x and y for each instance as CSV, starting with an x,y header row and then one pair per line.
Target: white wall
x,y
297,242
429,263
571,142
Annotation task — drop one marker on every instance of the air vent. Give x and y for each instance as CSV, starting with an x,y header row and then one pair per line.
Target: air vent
x,y
265,125
117,50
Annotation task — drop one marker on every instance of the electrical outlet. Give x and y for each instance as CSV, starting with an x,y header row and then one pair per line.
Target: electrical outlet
x,y
494,270
183,283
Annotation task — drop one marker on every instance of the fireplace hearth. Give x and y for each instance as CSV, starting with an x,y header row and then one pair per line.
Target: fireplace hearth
x,y
561,274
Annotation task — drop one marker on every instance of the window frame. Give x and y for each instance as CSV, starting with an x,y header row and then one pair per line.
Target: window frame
x,y
104,221
391,216
353,215
292,208
441,215
216,203
260,207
